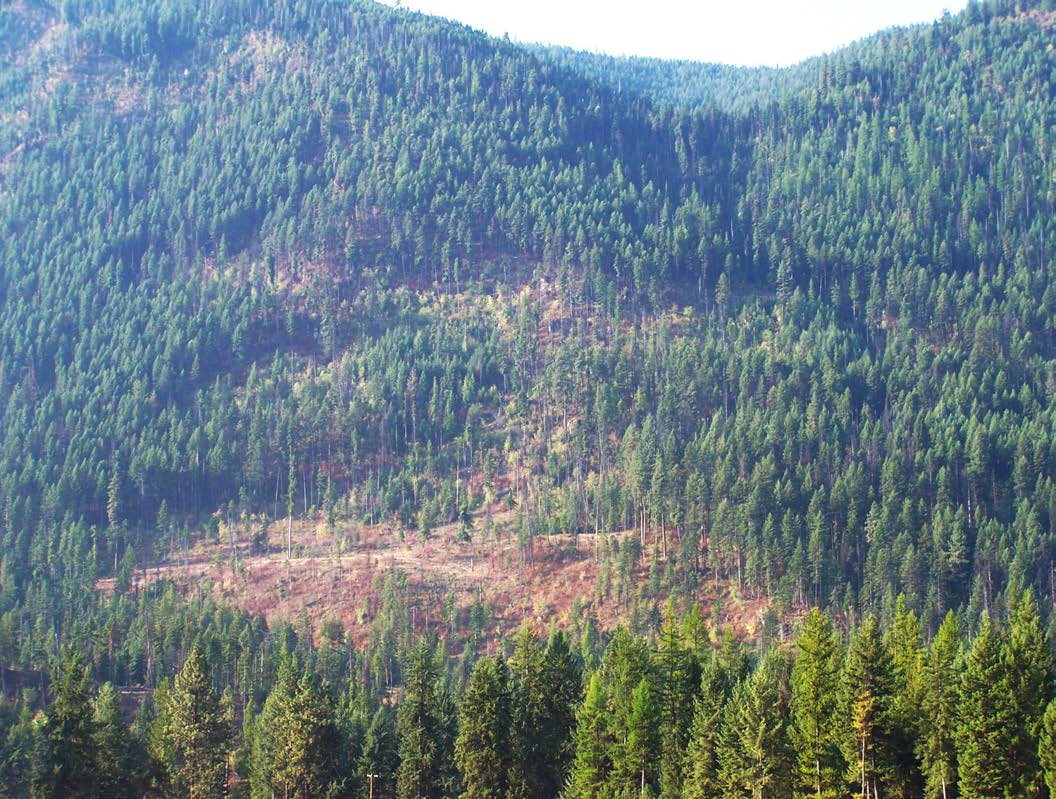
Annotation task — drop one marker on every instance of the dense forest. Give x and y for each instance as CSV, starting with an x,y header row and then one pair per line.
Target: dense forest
x,y
877,713
770,337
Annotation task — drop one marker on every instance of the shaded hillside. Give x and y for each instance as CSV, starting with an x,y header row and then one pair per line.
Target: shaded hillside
x,y
342,263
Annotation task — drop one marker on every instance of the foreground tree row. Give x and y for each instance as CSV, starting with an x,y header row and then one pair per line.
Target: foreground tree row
x,y
688,715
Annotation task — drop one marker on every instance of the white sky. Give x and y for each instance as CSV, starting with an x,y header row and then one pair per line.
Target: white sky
x,y
748,32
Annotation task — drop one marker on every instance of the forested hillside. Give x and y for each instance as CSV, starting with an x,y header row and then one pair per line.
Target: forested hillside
x,y
299,285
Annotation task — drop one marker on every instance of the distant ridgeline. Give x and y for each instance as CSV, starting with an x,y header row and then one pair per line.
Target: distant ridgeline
x,y
792,328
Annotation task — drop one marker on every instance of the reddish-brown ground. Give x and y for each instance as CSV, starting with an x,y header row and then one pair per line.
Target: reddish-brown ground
x,y
321,582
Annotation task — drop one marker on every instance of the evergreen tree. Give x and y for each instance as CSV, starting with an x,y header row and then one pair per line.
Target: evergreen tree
x,y
113,745
700,763
904,643
678,681
426,732
296,746
195,732
815,704
1047,747
941,683
70,755
986,720
867,697
379,760
755,754
593,764
562,691
637,758
1028,664
482,749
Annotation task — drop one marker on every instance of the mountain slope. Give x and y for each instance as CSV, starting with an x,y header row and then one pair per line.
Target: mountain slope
x,y
353,265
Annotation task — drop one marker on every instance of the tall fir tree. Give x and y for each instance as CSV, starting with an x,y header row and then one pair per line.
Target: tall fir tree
x,y
1047,747
113,745
905,644
70,754
700,767
937,749
678,679
296,741
482,750
562,683
379,760
196,733
426,732
866,707
1029,667
755,753
986,719
637,759
592,765
815,728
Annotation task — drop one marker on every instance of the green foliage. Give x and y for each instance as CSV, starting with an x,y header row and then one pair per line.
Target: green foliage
x,y
69,730
937,746
815,706
987,722
425,725
193,733
483,747
113,746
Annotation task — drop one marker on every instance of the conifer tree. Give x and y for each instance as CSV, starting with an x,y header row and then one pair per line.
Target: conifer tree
x,y
562,692
426,732
815,704
700,766
937,749
986,719
195,731
1047,747
592,766
637,759
527,736
70,754
1029,667
678,680
868,693
482,749
379,760
297,742
113,745
904,643
755,754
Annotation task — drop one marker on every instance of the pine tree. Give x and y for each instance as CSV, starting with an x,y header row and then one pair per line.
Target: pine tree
x,y
1047,747
380,758
527,734
755,754
482,749
937,749
987,720
296,746
425,731
815,704
593,760
70,754
113,745
904,643
678,680
700,763
868,693
637,758
195,731
1029,666
562,692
